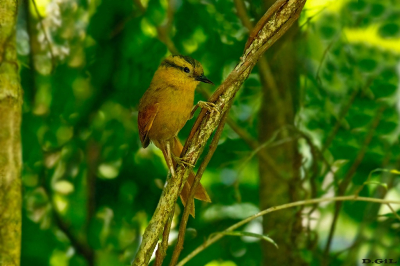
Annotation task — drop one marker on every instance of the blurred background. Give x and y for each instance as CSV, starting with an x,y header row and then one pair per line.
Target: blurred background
x,y
317,115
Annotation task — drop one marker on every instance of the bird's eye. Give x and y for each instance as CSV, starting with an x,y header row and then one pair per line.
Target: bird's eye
x,y
186,69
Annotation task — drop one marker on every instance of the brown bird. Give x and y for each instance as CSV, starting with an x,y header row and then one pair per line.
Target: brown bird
x,y
164,109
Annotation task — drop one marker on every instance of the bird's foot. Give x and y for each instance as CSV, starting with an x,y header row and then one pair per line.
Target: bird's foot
x,y
182,162
211,107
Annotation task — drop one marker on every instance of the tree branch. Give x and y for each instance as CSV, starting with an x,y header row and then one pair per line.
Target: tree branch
x,y
249,140
10,138
242,14
81,248
347,179
217,237
266,77
203,166
163,246
279,22
163,31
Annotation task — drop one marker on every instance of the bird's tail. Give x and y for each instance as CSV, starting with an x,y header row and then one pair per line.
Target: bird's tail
x,y
201,193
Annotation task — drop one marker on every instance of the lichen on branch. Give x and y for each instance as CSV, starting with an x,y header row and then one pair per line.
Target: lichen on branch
x,y
274,24
10,138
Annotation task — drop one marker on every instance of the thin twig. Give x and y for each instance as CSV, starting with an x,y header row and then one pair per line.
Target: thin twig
x,y
347,179
163,246
252,55
257,148
393,211
339,121
203,166
217,237
371,211
163,31
249,140
139,5
343,113
242,14
80,246
327,49
207,122
267,79
92,155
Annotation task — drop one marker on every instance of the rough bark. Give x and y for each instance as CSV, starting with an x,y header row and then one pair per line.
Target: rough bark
x,y
278,110
278,22
10,139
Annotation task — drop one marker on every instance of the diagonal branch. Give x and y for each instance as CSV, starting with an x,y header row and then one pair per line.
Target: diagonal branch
x,y
347,179
277,24
249,140
242,14
203,166
264,70
81,248
78,244
163,245
217,237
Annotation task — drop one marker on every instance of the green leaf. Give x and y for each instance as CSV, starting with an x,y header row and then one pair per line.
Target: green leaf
x,y
367,65
389,30
376,183
394,171
357,5
377,10
383,89
327,32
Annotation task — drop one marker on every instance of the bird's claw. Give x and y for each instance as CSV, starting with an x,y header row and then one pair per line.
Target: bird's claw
x,y
211,107
182,162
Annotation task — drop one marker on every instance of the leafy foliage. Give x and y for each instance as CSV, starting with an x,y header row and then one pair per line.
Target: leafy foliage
x,y
89,188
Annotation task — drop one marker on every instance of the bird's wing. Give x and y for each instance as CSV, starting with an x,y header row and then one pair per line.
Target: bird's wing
x,y
145,121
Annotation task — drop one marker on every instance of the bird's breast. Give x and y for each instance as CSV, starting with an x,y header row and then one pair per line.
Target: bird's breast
x,y
174,111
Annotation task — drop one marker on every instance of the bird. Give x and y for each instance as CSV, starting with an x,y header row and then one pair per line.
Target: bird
x,y
165,108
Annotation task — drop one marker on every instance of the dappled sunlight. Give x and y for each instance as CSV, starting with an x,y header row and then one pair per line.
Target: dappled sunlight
x,y
370,36
316,118
221,263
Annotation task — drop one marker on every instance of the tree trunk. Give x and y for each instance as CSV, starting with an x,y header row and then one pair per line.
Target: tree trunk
x,y
278,110
10,138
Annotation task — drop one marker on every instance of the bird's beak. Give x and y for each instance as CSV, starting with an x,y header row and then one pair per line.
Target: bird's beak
x,y
204,79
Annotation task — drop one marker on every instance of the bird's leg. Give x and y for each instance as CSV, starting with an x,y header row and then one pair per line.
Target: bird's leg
x,y
211,107
193,111
168,158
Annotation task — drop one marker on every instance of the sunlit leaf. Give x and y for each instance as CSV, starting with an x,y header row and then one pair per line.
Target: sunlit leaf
x,y
377,183
396,172
221,263
63,187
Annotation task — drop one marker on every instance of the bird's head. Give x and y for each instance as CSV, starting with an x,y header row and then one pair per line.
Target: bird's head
x,y
179,70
